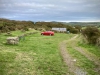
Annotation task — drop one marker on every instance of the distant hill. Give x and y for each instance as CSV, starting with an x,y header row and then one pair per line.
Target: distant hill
x,y
83,23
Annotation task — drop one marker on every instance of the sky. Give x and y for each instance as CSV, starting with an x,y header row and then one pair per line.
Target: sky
x,y
51,10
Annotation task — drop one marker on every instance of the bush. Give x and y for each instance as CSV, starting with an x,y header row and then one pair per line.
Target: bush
x,y
74,31
91,34
26,29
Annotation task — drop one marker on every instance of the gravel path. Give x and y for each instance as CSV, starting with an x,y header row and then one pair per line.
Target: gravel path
x,y
70,62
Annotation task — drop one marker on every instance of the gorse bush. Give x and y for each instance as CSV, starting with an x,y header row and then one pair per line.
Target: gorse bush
x,y
91,34
74,31
7,25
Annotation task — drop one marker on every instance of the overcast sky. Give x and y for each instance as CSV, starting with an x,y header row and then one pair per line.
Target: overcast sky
x,y
50,10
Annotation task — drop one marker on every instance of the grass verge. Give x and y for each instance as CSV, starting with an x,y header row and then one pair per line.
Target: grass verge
x,y
82,61
91,48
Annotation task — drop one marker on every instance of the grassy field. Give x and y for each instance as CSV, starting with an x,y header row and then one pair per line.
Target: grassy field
x,y
93,49
82,61
35,55
40,55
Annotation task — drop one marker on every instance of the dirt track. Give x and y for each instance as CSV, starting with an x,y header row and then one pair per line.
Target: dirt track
x,y
70,62
90,56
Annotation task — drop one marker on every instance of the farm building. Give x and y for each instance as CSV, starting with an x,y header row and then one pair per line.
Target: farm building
x,y
60,29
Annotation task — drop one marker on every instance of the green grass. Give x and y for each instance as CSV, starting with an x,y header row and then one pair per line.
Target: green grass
x,y
83,62
99,28
36,55
91,48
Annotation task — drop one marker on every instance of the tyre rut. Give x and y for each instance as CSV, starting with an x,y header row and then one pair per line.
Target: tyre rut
x,y
68,59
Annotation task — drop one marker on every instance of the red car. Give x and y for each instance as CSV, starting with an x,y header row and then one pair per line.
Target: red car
x,y
51,33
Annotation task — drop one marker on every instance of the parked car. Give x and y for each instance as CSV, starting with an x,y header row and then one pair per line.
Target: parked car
x,y
50,33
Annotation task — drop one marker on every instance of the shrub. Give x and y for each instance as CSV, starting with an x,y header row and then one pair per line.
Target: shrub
x,y
26,28
78,27
74,31
91,34
98,42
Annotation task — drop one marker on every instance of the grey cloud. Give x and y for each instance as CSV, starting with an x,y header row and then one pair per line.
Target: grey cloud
x,y
50,10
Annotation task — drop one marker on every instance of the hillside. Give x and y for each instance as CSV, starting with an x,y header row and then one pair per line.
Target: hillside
x,y
7,25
